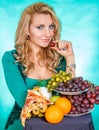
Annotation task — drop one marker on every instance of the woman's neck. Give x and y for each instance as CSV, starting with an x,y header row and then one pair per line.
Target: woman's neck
x,y
36,51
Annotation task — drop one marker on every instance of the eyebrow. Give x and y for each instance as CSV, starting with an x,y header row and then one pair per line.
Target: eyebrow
x,y
44,24
40,25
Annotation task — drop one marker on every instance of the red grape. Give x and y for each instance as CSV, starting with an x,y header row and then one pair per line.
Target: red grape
x,y
52,44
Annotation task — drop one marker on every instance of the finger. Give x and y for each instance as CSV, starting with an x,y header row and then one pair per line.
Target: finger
x,y
68,44
69,47
57,44
63,43
57,49
60,45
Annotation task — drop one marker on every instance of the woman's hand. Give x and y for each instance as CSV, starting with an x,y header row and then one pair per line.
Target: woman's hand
x,y
64,48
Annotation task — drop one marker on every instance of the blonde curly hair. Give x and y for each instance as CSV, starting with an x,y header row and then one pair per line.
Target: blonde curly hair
x,y
23,44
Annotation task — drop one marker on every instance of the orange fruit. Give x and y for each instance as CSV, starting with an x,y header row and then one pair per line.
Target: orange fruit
x,y
54,114
64,104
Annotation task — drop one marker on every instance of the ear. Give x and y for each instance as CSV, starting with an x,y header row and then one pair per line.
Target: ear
x,y
27,37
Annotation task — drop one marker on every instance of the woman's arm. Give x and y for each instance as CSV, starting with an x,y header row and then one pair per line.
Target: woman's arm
x,y
14,79
70,65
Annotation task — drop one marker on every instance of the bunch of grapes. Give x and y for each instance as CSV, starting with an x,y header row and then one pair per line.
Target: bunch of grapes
x,y
85,94
73,85
84,102
57,78
81,102
93,93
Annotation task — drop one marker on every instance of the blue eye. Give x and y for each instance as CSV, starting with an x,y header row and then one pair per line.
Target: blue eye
x,y
52,26
40,27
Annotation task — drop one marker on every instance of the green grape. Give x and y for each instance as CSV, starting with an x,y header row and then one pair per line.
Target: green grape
x,y
53,79
54,83
57,74
49,82
68,78
60,72
57,79
63,78
60,76
50,89
63,73
48,86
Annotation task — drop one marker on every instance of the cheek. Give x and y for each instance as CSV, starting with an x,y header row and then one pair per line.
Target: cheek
x,y
52,33
35,33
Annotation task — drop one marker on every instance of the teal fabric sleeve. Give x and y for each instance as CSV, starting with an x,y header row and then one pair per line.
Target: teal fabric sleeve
x,y
14,79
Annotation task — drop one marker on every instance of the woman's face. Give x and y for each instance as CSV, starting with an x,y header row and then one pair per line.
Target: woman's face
x,y
41,30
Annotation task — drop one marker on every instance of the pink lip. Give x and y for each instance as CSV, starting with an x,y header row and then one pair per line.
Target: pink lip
x,y
45,40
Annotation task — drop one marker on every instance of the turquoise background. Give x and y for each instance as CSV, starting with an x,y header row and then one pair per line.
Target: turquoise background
x,y
80,25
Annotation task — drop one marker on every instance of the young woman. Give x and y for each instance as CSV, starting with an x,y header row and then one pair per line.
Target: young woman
x,y
33,59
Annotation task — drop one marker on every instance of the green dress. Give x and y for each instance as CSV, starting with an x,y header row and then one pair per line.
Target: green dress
x,y
18,84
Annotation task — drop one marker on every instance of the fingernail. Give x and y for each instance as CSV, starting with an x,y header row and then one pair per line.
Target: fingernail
x,y
64,49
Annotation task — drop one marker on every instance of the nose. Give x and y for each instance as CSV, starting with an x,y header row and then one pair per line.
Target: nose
x,y
47,32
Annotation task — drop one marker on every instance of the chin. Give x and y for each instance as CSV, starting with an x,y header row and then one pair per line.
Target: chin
x,y
45,46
